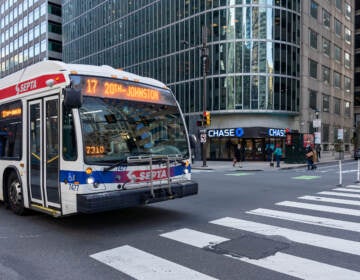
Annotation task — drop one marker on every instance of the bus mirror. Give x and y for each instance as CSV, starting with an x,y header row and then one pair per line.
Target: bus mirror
x,y
193,140
72,98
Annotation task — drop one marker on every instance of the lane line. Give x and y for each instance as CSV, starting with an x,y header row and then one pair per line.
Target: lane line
x,y
322,208
346,190
302,237
303,268
353,186
306,219
194,238
331,200
144,266
340,194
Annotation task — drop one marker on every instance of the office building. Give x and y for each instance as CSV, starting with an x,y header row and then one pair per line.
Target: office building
x,y
272,65
30,31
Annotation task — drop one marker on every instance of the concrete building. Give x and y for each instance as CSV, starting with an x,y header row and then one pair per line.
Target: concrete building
x,y
357,72
30,31
272,65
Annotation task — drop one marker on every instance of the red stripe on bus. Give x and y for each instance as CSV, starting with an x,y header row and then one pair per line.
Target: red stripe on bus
x,y
30,85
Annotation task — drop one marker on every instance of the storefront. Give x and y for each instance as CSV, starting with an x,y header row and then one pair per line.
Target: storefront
x,y
253,140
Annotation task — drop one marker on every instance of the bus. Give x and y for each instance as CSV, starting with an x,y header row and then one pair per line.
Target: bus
x,y
84,139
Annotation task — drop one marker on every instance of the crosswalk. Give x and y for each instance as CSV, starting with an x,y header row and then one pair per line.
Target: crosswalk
x,y
306,218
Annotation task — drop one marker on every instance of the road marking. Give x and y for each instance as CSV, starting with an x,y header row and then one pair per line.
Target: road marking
x,y
353,186
306,219
306,177
331,200
144,266
346,190
312,239
323,208
284,263
194,238
238,174
302,268
340,194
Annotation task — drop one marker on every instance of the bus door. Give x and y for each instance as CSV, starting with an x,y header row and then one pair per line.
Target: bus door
x,y
43,133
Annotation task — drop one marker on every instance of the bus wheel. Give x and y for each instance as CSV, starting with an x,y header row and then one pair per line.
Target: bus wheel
x,y
15,198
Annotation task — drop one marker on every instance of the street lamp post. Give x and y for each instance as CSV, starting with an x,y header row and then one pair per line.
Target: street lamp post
x,y
204,58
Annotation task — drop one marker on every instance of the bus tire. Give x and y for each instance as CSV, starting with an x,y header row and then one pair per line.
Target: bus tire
x,y
15,195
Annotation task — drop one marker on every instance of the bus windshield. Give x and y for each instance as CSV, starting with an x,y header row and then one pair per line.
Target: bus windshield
x,y
114,129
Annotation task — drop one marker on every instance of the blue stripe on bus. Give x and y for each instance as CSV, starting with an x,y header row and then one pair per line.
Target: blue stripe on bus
x,y
71,176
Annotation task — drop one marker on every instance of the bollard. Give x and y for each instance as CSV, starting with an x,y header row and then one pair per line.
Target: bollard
x,y
358,172
340,174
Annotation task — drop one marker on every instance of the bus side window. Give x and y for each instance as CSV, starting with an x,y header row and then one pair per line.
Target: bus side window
x,y
69,137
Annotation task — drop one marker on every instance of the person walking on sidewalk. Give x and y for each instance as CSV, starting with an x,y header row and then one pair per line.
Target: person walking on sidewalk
x,y
318,151
278,154
237,155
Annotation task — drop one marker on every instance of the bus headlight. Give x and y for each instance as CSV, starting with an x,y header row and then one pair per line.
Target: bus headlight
x,y
90,180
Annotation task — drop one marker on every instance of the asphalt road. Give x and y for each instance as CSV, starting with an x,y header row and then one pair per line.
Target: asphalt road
x,y
234,229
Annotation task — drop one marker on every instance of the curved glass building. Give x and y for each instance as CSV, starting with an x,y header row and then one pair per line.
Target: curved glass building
x,y
253,72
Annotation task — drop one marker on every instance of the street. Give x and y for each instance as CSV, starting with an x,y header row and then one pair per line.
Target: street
x,y
243,224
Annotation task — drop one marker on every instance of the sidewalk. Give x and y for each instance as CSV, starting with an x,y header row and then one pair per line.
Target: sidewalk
x,y
326,157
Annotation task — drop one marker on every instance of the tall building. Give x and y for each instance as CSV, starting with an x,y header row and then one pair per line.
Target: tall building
x,y
272,65
357,72
30,31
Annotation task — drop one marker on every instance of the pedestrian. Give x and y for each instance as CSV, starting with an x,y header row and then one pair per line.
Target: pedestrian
x,y
278,154
309,153
268,152
318,151
237,154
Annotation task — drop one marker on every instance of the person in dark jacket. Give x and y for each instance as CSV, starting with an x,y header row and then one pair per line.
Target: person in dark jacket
x,y
309,153
237,154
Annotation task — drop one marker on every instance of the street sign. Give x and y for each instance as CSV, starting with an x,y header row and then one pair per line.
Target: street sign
x,y
202,138
317,137
316,123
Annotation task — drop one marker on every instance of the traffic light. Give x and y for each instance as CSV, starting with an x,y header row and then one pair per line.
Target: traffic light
x,y
207,119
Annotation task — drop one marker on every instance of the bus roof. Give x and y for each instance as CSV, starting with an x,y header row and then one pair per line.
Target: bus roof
x,y
36,76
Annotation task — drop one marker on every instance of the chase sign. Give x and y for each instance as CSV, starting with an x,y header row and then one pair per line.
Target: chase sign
x,y
277,132
226,132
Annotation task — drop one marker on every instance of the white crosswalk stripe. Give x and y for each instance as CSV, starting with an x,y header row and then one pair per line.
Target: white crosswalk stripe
x,y
312,239
322,208
303,268
144,266
307,219
347,190
340,194
330,200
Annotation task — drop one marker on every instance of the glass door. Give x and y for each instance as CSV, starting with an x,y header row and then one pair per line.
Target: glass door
x,y
44,152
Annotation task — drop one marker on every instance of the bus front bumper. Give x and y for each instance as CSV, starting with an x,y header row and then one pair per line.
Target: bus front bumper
x,y
106,201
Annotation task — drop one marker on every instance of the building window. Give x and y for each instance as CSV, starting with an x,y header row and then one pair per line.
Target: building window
x,y
314,9
347,109
337,27
326,103
347,60
313,99
347,35
325,133
326,47
347,11
337,53
338,4
337,79
326,18
337,102
313,68
313,38
347,84
326,74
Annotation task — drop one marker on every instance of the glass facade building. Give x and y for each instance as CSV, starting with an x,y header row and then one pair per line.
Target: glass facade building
x,y
30,32
255,70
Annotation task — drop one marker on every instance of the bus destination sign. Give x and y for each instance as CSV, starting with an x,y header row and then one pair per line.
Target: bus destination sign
x,y
113,88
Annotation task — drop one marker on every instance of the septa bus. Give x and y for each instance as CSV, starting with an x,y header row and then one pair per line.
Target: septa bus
x,y
83,139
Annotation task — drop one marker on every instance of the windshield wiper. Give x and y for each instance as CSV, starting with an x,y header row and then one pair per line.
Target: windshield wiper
x,y
120,162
